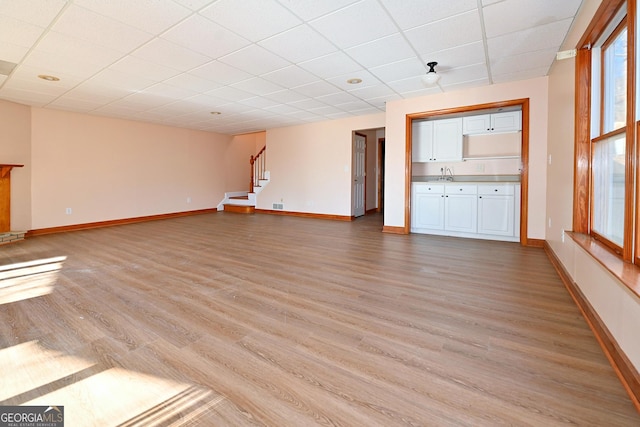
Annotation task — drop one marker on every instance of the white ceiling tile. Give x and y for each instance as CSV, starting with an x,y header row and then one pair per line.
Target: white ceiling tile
x,y
413,13
459,56
221,73
522,62
26,76
411,84
326,110
141,100
168,91
97,29
466,85
438,35
28,97
520,75
311,9
253,19
143,68
56,65
259,102
37,12
74,104
257,86
282,109
381,51
539,38
523,14
355,24
192,82
17,32
152,16
464,74
317,88
255,60
285,96
291,76
230,94
331,65
70,49
12,53
92,91
399,70
298,44
119,79
308,104
170,55
377,91
205,36
337,98
195,4
367,78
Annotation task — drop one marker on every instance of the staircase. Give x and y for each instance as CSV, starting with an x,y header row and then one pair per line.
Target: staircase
x,y
245,201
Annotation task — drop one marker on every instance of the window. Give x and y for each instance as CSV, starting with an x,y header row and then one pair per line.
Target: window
x,y
604,194
608,147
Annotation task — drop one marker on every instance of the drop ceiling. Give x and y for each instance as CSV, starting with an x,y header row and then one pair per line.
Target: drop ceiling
x,y
265,63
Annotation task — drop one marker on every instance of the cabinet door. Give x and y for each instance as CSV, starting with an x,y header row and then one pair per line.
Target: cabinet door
x,y
447,140
495,215
421,141
427,211
511,121
472,125
460,212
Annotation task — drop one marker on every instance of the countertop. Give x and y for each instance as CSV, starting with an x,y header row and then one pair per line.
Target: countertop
x,y
468,178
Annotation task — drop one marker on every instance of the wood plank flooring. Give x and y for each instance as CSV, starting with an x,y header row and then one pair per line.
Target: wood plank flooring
x,y
252,320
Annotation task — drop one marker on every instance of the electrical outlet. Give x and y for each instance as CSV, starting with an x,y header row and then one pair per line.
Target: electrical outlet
x,y
480,167
549,222
188,199
562,236
68,211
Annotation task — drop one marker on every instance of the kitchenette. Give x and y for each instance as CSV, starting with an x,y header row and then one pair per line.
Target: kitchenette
x,y
466,175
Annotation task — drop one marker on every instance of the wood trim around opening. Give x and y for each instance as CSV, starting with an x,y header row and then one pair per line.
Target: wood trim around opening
x,y
524,171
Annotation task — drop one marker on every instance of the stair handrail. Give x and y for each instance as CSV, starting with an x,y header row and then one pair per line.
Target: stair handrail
x,y
258,168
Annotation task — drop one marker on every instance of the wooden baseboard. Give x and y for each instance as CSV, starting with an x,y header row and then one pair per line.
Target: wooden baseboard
x,y
100,224
393,229
243,209
536,243
306,215
623,367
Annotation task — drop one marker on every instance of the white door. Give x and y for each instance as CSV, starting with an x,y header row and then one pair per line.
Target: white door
x,y
359,150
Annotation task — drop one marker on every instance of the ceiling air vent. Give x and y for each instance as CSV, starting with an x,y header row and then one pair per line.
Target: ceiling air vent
x,y
6,67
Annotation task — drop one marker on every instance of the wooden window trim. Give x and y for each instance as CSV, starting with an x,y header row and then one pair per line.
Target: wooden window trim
x,y
583,141
616,32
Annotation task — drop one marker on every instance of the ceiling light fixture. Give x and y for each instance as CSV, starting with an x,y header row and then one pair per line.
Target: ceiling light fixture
x,y
354,81
48,78
431,78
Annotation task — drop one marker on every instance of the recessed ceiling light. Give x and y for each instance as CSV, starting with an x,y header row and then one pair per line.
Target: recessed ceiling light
x,y
215,113
354,81
48,78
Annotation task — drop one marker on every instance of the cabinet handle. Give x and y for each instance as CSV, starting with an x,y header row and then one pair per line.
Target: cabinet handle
x,y
495,189
479,197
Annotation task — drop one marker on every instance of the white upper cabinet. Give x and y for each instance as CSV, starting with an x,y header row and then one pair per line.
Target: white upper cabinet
x,y
510,121
437,140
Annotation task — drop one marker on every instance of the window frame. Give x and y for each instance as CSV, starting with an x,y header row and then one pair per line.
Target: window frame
x,y
607,13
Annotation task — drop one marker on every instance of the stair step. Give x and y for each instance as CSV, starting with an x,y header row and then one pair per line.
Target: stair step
x,y
239,198
239,209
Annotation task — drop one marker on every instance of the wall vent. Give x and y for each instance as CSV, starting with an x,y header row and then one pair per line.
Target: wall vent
x,y
278,206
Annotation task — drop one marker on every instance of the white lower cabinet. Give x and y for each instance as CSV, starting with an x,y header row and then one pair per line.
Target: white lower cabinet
x,y
496,209
460,207
481,211
427,210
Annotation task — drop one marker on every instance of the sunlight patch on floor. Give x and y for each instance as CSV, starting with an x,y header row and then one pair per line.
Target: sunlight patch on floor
x,y
24,280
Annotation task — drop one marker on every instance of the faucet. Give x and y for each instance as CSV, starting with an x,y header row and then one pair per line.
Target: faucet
x,y
450,177
442,177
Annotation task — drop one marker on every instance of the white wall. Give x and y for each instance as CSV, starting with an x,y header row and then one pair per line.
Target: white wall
x,y
310,165
537,92
618,308
105,168
15,149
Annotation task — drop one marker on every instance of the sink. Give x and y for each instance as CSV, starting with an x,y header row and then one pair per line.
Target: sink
x,y
442,179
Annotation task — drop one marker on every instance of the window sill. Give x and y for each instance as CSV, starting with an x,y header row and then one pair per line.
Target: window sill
x,y
627,273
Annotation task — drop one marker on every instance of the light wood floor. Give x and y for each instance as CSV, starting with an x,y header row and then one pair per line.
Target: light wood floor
x,y
229,319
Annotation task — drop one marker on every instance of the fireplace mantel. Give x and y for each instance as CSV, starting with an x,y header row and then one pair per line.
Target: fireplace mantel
x,y
5,196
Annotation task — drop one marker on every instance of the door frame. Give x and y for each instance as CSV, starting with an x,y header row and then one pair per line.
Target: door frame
x,y
380,172
523,103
